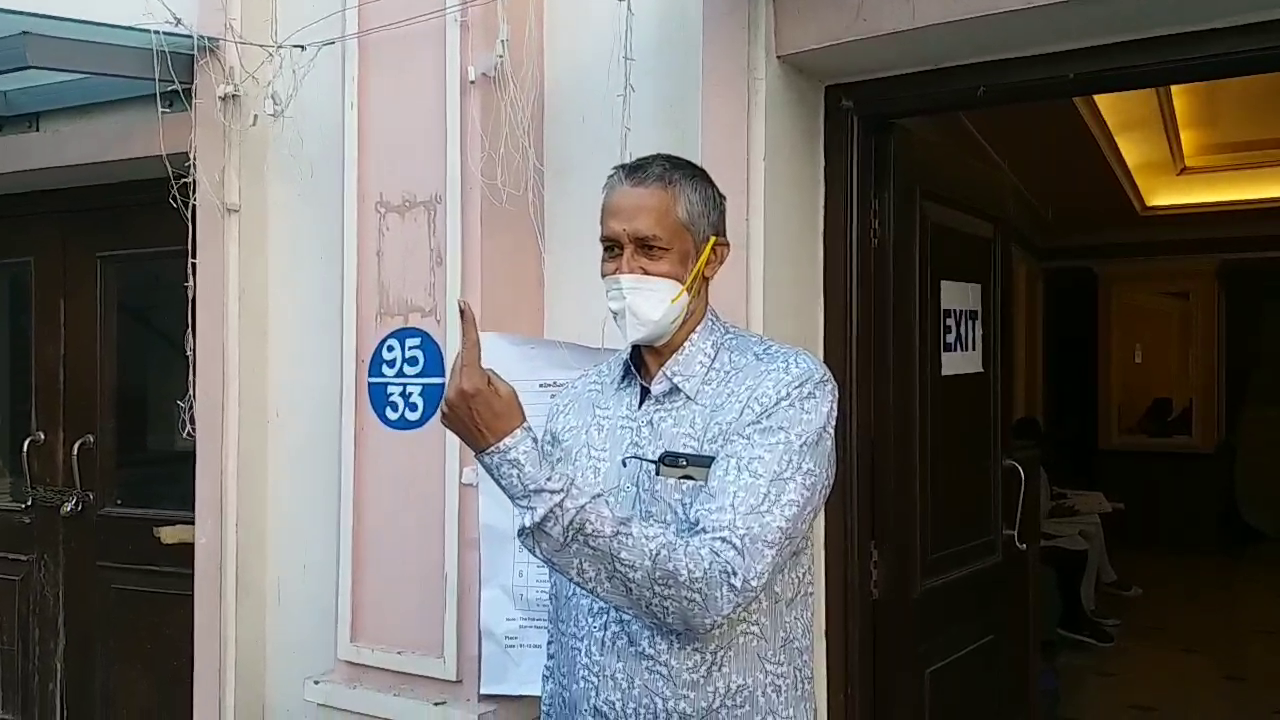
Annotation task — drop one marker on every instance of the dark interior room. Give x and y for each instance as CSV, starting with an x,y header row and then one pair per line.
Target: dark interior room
x,y
1146,319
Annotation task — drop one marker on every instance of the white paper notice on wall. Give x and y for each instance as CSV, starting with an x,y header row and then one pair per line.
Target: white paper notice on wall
x,y
961,327
515,586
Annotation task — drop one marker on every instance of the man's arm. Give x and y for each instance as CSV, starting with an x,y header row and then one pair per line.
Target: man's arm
x,y
766,486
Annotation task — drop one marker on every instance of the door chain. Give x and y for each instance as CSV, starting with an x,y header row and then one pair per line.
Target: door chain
x,y
69,501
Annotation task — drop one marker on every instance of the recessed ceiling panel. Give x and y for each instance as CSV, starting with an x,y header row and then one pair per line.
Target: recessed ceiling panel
x,y
1201,146
1229,123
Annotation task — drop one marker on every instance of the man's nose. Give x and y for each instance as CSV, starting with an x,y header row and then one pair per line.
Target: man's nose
x,y
627,264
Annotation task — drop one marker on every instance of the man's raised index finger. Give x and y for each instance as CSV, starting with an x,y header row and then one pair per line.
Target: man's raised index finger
x,y
469,351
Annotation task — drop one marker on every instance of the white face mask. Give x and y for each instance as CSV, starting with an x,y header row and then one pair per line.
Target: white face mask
x,y
647,309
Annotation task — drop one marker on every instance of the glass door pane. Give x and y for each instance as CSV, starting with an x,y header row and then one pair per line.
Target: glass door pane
x,y
144,369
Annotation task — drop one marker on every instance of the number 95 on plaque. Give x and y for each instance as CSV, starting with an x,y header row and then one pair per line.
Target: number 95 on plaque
x,y
406,378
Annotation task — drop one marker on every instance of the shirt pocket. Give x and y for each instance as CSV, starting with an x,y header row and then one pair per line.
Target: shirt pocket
x,y
679,504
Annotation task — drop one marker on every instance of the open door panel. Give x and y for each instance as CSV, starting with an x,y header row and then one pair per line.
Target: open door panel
x,y
954,511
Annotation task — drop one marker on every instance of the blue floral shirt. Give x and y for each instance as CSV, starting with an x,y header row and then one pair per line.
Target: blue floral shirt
x,y
677,598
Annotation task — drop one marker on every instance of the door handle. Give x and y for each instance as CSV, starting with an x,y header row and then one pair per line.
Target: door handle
x,y
1022,495
35,438
75,503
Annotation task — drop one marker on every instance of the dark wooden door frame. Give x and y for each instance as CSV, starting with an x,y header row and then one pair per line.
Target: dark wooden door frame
x,y
110,549
1131,65
847,288
30,536
86,198
62,233
851,110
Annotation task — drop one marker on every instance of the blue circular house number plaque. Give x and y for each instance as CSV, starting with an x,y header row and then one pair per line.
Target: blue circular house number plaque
x,y
406,379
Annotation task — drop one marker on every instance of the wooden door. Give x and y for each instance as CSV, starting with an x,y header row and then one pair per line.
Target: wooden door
x,y
130,551
31,431
953,621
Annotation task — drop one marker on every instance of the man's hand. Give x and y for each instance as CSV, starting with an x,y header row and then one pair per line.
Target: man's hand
x,y
479,406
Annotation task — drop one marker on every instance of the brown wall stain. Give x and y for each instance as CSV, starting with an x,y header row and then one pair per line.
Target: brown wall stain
x,y
410,256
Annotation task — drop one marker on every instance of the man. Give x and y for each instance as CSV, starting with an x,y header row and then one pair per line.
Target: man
x,y
671,598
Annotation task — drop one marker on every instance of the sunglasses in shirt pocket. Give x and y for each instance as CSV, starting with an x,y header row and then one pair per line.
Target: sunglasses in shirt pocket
x,y
684,466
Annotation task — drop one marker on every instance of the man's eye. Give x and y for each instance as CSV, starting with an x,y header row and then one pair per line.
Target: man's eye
x,y
612,251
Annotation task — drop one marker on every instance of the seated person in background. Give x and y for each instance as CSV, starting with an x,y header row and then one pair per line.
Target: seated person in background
x,y
1069,559
1061,518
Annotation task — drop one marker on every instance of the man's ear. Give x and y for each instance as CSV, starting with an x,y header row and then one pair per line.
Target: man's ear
x,y
719,253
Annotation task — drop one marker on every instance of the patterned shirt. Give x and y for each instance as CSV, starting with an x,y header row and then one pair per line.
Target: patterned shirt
x,y
677,598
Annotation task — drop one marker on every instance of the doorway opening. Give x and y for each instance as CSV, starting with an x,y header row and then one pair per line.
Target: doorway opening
x,y
1191,505
97,472
1085,243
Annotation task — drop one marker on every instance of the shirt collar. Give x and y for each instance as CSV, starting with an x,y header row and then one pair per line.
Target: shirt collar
x,y
687,368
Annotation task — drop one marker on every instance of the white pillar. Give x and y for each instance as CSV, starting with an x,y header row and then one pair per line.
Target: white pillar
x,y
623,79
288,282
305,166
784,237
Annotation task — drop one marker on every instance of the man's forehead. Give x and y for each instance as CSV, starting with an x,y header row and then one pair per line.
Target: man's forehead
x,y
639,213
629,202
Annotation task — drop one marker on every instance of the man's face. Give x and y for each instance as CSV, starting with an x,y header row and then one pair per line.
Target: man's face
x,y
641,235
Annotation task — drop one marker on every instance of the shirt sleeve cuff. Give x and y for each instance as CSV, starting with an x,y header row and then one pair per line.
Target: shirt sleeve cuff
x,y
513,462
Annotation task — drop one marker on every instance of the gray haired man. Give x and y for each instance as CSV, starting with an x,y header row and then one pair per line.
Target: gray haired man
x,y
674,594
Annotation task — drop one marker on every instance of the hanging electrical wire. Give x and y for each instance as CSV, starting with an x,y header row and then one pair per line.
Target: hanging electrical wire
x,y
278,76
507,163
628,89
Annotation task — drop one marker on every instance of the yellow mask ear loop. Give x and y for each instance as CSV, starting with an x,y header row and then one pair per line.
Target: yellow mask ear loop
x,y
697,270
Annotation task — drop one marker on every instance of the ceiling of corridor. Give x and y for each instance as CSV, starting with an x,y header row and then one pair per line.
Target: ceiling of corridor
x,y
1200,146
1106,165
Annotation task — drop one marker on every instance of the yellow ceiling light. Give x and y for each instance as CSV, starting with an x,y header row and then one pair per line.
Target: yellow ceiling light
x,y
1203,146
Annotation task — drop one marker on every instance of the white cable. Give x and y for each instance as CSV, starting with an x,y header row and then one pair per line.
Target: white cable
x,y
628,89
506,161
182,195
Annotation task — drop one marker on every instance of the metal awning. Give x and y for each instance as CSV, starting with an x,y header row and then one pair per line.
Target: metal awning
x,y
49,63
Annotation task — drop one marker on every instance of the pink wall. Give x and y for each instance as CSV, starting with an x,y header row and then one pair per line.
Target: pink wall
x,y
400,480
397,545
